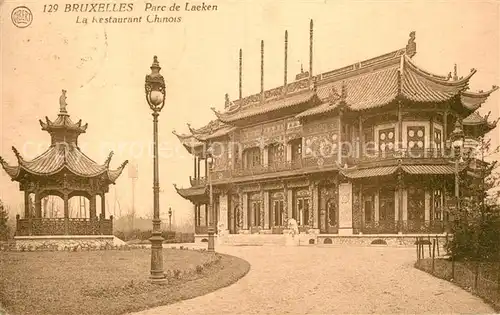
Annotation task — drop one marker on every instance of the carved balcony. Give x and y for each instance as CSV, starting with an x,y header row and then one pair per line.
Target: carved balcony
x,y
197,181
403,153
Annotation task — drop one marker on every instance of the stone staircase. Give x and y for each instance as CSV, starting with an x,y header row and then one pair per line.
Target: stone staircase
x,y
254,240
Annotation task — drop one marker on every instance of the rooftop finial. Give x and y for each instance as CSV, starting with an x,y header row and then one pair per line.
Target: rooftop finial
x,y
411,48
455,73
62,102
155,64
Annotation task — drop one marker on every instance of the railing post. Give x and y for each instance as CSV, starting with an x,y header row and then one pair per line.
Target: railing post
x,y
17,225
433,253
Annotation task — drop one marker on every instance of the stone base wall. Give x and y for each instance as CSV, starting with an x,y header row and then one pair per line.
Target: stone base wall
x,y
367,240
199,238
32,243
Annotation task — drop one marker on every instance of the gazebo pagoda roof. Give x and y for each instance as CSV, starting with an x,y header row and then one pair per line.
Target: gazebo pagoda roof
x,y
63,154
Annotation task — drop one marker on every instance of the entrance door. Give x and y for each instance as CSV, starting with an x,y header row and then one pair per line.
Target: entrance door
x,y
328,209
277,218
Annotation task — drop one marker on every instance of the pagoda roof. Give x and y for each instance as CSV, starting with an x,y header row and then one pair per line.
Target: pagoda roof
x,y
476,120
195,195
406,80
63,121
62,156
366,85
259,108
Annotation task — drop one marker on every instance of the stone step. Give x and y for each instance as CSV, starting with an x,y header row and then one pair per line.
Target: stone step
x,y
254,239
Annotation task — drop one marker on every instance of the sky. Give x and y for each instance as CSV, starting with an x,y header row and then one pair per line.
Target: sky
x,y
102,67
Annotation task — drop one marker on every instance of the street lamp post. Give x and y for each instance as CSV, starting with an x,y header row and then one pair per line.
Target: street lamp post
x,y
211,228
170,219
155,96
457,137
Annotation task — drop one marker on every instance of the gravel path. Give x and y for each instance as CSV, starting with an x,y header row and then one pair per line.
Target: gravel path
x,y
330,280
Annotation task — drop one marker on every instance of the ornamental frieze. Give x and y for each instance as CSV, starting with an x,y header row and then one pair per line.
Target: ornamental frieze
x,y
298,183
273,186
298,85
321,126
250,188
273,93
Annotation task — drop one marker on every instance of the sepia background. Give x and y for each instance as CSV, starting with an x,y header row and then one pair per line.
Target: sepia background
x,y
102,67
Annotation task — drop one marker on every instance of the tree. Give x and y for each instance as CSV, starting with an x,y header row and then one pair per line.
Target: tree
x,y
476,230
4,224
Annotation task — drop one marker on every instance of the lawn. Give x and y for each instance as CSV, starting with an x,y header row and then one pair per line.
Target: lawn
x,y
108,282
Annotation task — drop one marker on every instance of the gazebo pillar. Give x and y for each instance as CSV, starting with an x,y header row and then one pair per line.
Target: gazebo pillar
x,y
92,202
66,214
103,205
38,205
27,213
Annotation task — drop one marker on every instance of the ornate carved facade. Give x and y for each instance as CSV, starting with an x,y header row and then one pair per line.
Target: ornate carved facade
x,y
361,149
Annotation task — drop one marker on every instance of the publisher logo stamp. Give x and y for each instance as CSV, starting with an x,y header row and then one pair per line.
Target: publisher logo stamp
x,y
21,17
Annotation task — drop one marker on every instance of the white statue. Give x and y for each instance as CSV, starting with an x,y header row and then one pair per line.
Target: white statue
x,y
293,226
220,228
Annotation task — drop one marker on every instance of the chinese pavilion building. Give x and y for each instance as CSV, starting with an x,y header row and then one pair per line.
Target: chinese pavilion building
x,y
364,149
63,170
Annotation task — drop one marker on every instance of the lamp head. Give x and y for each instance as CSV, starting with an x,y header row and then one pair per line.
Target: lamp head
x,y
155,87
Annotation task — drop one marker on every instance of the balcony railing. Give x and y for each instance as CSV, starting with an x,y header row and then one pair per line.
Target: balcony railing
x,y
403,153
331,160
63,226
197,181
407,227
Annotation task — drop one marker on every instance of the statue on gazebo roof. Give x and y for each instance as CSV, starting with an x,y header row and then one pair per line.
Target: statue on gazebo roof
x,y
62,102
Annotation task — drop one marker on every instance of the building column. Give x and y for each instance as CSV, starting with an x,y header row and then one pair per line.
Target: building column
x,y
345,208
427,207
194,167
223,210
265,156
399,144
400,202
312,215
196,216
289,204
405,204
245,211
376,206
266,211
198,168
315,205
361,140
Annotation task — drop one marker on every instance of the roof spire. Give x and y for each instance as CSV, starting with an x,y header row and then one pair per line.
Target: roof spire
x,y
286,63
240,74
310,52
455,73
62,103
262,71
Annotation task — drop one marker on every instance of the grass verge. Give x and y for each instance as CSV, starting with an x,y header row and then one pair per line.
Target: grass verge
x,y
464,277
108,282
